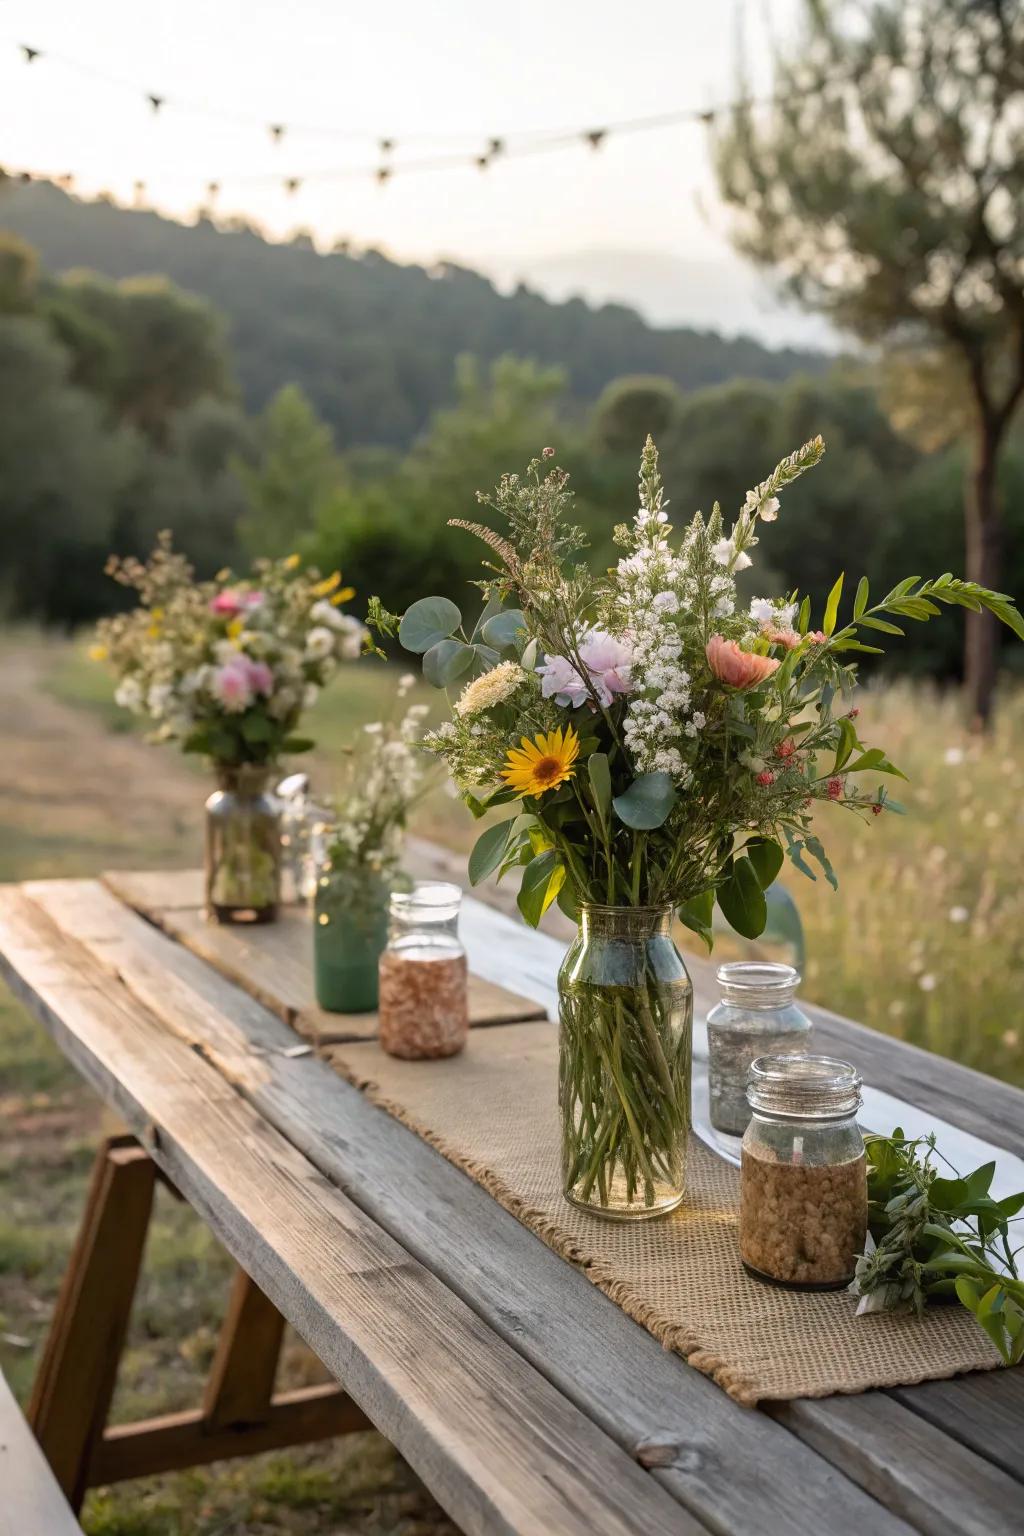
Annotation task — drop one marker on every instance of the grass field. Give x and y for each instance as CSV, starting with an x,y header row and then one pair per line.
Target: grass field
x,y
924,940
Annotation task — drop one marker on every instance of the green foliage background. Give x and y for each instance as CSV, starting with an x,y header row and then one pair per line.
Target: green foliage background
x,y
386,399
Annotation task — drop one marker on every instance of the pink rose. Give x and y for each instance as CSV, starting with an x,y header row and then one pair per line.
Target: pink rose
x,y
227,603
261,679
787,637
740,669
232,686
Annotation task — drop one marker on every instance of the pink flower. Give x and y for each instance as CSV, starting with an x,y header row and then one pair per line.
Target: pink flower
x,y
818,637
608,663
835,787
232,686
739,669
787,637
767,777
785,749
253,599
877,809
261,679
854,712
228,603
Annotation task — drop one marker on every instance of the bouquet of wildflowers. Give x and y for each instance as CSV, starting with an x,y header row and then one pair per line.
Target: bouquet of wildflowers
x,y
386,775
226,667
656,745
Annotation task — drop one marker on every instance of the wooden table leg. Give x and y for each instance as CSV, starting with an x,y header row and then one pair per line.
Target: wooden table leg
x,y
74,1385
75,1380
241,1380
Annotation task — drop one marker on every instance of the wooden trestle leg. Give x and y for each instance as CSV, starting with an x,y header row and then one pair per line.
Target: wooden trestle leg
x,y
240,1414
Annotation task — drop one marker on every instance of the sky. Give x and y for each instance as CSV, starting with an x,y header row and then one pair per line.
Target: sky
x,y
637,220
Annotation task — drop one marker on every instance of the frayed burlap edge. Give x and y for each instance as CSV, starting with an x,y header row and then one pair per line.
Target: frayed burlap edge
x,y
680,1340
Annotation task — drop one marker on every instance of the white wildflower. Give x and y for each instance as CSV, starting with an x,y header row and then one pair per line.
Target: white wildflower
x,y
319,642
490,689
958,914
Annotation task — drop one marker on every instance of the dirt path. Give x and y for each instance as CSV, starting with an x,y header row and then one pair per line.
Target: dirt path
x,y
74,794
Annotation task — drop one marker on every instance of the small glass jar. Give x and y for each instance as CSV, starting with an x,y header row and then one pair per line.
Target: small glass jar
x,y
243,847
423,1008
757,1016
803,1177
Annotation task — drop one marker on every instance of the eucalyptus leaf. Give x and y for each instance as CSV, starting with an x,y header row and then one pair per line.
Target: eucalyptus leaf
x,y
647,802
426,622
501,630
446,661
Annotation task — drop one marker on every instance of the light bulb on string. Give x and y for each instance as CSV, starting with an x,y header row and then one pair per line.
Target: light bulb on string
x,y
156,102
383,174
292,184
495,147
595,137
277,131
386,146
30,54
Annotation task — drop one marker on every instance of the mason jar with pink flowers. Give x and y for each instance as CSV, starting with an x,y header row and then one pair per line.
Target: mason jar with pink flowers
x,y
225,669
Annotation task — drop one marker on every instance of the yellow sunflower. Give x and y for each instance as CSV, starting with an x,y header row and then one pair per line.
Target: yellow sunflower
x,y
543,763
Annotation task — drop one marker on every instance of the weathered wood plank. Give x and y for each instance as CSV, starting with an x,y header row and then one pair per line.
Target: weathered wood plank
x,y
710,1453
985,1412
936,1483
147,889
499,1446
31,1503
274,963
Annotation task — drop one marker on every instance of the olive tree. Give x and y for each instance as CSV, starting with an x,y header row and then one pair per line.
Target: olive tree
x,y
885,178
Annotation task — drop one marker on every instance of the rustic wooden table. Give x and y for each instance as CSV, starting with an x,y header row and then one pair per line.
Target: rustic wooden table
x,y
525,1399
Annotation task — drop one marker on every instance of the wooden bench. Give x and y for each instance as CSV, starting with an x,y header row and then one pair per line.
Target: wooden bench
x,y
31,1503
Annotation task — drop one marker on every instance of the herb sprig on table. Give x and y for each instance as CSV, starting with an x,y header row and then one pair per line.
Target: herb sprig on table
x,y
938,1238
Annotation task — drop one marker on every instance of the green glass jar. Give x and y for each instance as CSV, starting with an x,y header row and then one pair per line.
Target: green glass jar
x,y
625,1010
350,930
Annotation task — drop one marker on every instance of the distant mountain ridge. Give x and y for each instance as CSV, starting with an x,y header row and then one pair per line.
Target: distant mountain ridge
x,y
372,342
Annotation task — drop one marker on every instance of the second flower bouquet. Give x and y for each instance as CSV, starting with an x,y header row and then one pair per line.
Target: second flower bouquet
x,y
657,749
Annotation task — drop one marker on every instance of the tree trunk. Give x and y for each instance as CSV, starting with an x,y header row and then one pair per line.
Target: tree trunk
x,y
983,526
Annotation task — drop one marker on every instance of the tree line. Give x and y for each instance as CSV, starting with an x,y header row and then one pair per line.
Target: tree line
x,y
120,415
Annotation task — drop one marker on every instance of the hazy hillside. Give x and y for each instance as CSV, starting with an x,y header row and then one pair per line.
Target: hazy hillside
x,y
370,341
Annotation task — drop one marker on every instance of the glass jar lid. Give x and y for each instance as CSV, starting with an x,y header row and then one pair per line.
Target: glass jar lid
x,y
758,983
803,1087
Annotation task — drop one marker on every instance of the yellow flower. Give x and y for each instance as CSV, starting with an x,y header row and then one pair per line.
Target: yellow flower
x,y
328,585
235,628
542,764
342,596
98,653
293,562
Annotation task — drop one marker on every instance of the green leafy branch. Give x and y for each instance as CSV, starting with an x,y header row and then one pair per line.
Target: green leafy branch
x,y
939,1238
913,599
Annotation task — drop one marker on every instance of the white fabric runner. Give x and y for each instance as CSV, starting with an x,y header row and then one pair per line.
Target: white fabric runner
x,y
507,952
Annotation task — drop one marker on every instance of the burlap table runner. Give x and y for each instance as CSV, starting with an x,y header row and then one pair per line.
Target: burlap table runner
x,y
493,1112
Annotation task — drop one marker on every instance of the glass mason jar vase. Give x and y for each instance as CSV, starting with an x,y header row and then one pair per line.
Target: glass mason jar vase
x,y
625,1009
803,1176
424,1007
242,847
757,1016
350,930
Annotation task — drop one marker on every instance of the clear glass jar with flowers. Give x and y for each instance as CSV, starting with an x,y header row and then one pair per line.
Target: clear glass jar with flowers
x,y
387,774
225,669
657,749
